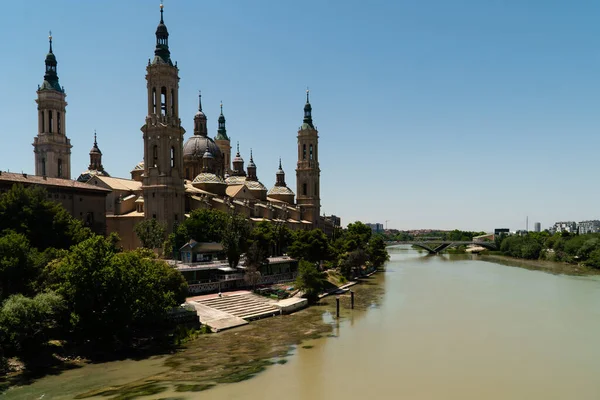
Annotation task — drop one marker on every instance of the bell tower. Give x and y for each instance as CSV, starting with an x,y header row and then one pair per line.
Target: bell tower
x,y
51,146
222,140
162,181
307,170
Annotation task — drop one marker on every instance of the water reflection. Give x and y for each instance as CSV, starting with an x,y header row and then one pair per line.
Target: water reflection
x,y
442,327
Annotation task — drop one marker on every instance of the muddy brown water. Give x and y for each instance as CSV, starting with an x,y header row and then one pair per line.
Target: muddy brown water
x,y
442,327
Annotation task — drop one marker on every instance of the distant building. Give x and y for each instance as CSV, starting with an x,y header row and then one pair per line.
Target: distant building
x,y
588,227
564,226
488,237
376,227
334,219
537,227
499,231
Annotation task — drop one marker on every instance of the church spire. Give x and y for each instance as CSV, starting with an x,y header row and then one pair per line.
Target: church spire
x,y
222,132
280,176
95,157
308,111
162,53
200,119
51,77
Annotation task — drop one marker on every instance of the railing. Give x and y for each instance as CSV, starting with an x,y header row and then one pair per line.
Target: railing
x,y
237,280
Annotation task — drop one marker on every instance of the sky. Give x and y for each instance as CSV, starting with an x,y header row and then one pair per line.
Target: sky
x,y
438,114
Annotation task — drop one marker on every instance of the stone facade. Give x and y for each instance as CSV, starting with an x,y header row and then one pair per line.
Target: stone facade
x,y
162,182
308,173
51,146
83,201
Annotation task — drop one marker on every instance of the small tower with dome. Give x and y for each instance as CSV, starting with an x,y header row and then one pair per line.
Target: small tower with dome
x,y
222,140
280,191
95,168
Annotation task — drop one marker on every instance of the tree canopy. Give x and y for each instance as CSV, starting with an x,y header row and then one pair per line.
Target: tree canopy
x,y
151,233
109,294
43,222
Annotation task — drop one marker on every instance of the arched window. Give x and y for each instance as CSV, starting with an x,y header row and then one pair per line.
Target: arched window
x,y
155,156
187,174
304,152
173,102
154,100
60,168
43,167
304,189
42,121
172,157
58,129
311,152
163,100
50,121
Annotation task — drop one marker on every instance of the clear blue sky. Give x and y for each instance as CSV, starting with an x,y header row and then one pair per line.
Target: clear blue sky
x,y
443,114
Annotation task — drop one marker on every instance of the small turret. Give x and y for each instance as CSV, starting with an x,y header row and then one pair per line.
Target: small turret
x,y
251,169
200,119
162,53
221,131
51,76
238,163
308,112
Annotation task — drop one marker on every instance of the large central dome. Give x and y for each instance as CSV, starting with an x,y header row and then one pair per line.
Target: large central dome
x,y
195,147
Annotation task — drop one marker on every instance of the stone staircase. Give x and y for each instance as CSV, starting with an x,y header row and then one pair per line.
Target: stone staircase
x,y
245,306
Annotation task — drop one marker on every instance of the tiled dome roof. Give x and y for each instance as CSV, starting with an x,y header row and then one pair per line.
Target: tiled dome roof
x,y
206,177
195,147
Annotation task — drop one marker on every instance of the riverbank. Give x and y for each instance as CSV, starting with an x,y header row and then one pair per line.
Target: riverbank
x,y
541,265
225,357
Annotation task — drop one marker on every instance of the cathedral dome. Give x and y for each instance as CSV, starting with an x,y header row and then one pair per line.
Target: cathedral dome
x,y
235,180
139,166
210,182
89,174
207,177
196,145
279,190
255,185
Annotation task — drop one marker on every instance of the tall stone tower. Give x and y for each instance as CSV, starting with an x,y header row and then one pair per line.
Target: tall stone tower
x,y
222,140
162,181
307,170
51,146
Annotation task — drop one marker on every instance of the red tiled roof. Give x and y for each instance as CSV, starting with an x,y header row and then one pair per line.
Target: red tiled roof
x,y
26,179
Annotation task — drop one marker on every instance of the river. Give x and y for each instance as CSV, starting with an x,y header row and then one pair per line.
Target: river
x,y
429,327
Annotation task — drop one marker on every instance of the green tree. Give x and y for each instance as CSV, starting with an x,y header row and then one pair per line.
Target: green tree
x,y
376,252
283,237
234,238
43,222
17,270
310,280
256,257
263,235
312,246
203,225
353,262
151,233
26,323
110,294
594,259
357,235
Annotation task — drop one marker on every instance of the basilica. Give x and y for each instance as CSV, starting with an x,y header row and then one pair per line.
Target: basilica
x,y
177,175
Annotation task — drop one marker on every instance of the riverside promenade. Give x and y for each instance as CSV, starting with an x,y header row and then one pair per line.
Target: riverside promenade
x,y
234,309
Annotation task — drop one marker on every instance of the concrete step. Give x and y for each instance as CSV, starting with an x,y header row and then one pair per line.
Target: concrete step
x,y
252,310
259,315
242,306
